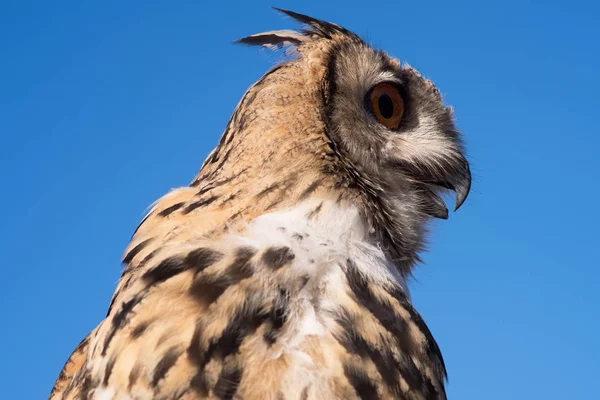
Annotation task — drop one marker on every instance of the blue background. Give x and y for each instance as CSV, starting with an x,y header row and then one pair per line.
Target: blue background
x,y
105,106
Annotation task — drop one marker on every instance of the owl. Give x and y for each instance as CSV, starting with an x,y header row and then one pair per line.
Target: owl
x,y
281,271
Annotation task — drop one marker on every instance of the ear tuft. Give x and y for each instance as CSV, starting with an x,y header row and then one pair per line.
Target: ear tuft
x,y
318,29
274,39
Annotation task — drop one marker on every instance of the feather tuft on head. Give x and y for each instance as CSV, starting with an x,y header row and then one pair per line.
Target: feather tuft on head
x,y
317,29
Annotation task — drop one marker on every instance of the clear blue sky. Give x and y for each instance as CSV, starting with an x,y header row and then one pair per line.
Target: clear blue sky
x,y
104,107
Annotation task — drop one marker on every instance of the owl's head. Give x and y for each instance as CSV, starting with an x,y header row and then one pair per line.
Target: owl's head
x,y
384,118
342,116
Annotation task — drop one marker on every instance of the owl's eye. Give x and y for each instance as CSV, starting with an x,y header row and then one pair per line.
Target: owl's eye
x,y
387,104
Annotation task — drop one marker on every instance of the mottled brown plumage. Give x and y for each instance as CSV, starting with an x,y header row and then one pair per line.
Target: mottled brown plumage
x,y
280,272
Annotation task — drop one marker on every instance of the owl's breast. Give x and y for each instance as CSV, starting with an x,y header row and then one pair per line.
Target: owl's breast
x,y
295,304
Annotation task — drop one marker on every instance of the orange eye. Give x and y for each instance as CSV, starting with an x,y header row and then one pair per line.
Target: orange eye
x,y
387,105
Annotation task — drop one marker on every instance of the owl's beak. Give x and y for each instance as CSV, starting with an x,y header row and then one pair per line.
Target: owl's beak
x,y
453,175
459,182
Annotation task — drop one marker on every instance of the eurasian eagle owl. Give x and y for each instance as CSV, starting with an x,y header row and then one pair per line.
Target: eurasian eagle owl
x,y
280,272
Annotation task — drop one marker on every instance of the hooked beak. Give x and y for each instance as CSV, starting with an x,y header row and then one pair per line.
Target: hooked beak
x,y
454,175
460,183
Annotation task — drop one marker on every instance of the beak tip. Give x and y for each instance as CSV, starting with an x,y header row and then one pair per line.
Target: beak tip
x,y
459,202
462,190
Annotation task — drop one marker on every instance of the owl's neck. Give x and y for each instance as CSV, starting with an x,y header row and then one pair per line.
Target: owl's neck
x,y
327,233
231,195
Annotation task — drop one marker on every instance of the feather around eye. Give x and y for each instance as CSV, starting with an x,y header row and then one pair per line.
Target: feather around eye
x,y
386,104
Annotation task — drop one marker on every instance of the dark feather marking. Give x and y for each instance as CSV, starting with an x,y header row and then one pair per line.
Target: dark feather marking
x,y
120,318
201,258
236,215
131,267
112,301
304,394
228,382
163,338
241,267
230,197
360,381
397,327
147,259
199,203
274,203
86,386
229,131
243,324
225,158
167,211
304,280
81,347
267,190
217,153
205,189
139,330
134,374
109,367
220,182
168,268
241,115
163,366
354,343
282,191
278,316
75,382
199,385
231,339
207,289
218,167
310,189
315,212
195,353
61,377
134,252
277,257
242,121
214,157
383,312
433,350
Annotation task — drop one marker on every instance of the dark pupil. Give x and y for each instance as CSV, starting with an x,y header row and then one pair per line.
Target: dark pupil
x,y
386,106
